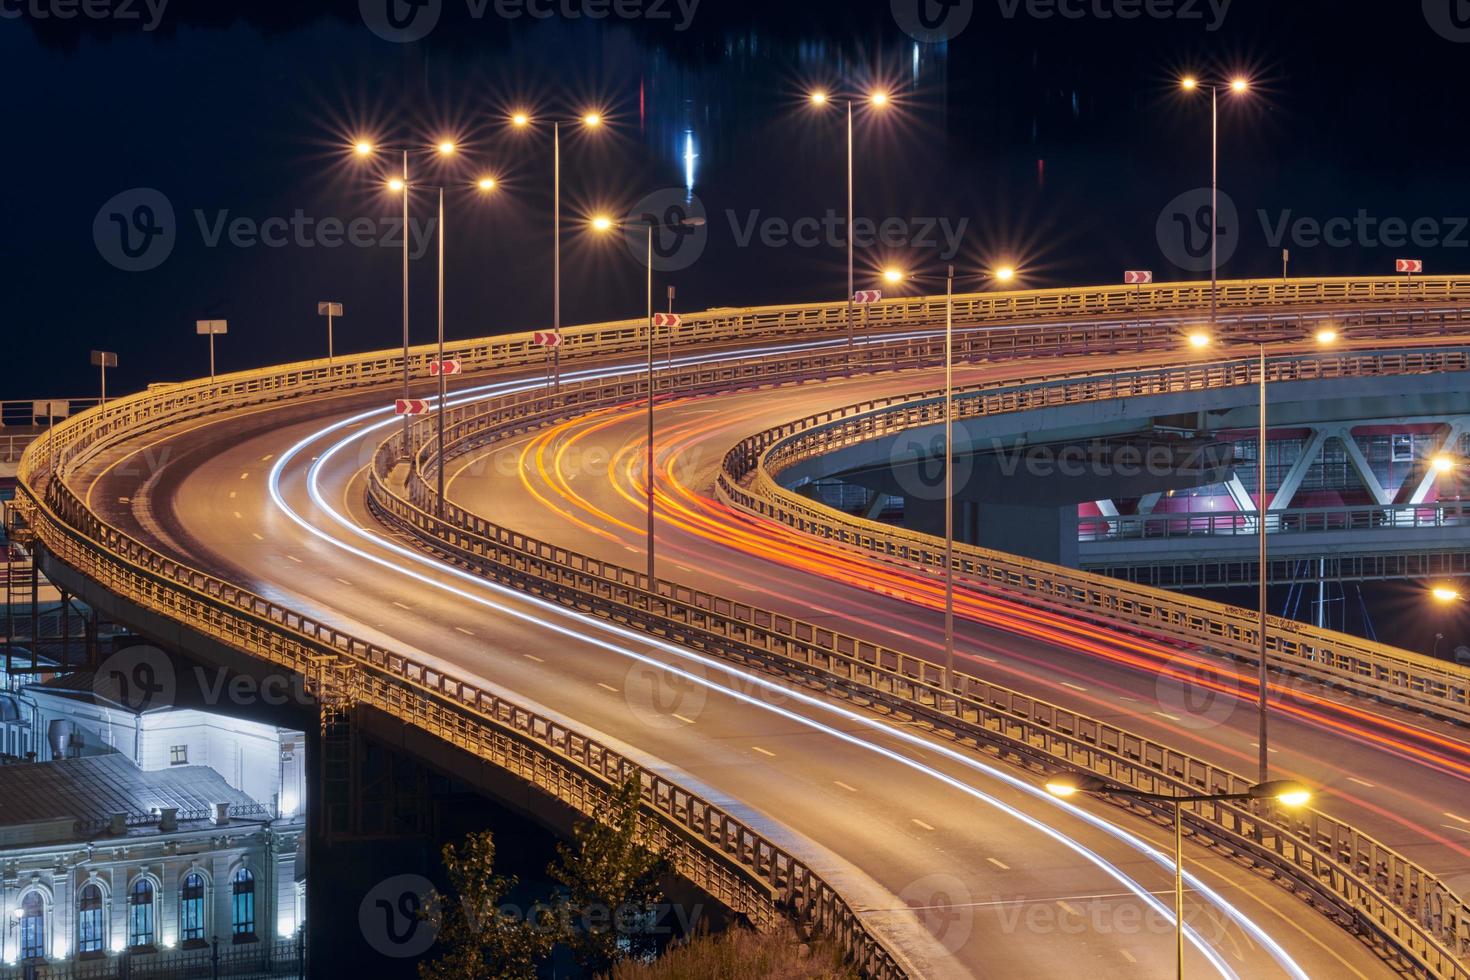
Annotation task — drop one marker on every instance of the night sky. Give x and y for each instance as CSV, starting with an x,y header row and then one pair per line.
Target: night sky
x,y
1053,143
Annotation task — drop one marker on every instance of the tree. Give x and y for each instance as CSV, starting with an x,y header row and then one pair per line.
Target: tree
x,y
478,936
611,879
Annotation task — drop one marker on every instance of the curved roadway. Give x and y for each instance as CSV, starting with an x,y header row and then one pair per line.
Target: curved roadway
x,y
964,868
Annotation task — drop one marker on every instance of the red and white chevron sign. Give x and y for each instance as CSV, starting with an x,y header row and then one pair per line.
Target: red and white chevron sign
x,y
546,339
449,366
411,406
867,296
1137,277
667,320
1408,265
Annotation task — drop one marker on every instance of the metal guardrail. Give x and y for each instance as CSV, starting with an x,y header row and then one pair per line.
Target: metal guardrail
x,y
247,961
1410,914
537,748
1421,683
1294,520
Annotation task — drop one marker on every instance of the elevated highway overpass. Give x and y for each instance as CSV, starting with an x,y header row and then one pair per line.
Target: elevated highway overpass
x,y
251,530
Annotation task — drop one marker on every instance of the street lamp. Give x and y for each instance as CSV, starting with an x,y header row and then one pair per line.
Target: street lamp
x,y
588,120
1288,792
1239,86
1200,340
399,184
1444,594
878,99
604,224
894,275
484,185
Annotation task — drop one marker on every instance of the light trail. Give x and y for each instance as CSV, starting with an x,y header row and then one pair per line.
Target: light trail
x,y
583,621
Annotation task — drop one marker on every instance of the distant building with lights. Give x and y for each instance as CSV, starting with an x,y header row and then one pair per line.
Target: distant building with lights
x,y
102,859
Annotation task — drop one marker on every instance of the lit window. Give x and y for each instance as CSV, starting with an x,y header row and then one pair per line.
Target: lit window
x,y
91,926
191,908
140,913
32,927
242,910
178,755
1403,449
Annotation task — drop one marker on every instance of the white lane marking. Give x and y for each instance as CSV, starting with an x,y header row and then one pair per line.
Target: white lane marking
x,y
267,457
233,495
1450,826
1128,956
764,751
239,516
256,536
461,629
1165,714
607,687
1360,782
1256,745
850,789
687,721
999,864
402,606
926,826
1067,907
1075,687
532,656
124,500
345,582
1456,816
245,476
294,558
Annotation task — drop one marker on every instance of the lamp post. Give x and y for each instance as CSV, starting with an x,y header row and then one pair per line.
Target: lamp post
x,y
485,184
401,184
605,224
1238,86
877,99
588,120
896,276
1287,792
1201,340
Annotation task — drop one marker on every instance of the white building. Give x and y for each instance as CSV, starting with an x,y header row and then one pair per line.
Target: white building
x,y
73,718
99,858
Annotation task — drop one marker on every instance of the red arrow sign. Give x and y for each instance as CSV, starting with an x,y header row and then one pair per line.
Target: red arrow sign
x,y
867,296
546,339
666,320
449,366
411,406
1408,265
1138,277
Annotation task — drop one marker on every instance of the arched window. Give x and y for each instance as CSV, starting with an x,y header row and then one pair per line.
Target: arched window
x,y
91,924
242,909
191,908
32,926
140,913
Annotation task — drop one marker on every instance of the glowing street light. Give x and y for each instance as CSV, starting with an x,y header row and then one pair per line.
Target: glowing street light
x,y
1005,274
878,99
589,119
1199,340
446,148
1444,594
486,183
396,185
894,276
1327,335
363,149
1443,463
1287,792
602,223
1239,86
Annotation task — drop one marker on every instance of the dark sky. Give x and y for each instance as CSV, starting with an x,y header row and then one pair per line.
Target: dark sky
x,y
1057,143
